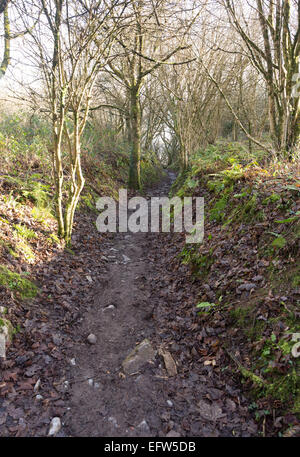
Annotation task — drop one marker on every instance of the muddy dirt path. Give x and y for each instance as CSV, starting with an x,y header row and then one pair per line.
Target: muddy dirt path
x,y
104,399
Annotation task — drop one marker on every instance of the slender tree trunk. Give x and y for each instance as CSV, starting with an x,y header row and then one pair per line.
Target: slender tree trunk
x,y
184,157
135,121
58,180
58,119
235,131
6,55
77,183
278,62
249,140
128,129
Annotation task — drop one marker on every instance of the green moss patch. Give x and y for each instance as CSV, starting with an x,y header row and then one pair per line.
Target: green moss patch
x,y
17,283
279,242
7,328
200,263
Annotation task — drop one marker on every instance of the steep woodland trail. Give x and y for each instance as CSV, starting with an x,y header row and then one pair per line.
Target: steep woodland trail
x,y
135,300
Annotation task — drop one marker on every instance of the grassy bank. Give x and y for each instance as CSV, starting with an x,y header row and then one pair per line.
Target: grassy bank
x,y
248,267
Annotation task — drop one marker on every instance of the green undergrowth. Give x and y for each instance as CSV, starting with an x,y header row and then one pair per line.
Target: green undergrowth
x,y
271,354
200,263
28,201
106,175
238,195
251,202
17,283
28,189
151,170
24,144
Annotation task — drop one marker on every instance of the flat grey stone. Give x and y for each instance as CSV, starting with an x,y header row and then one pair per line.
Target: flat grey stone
x,y
92,339
55,426
2,346
6,335
211,412
109,308
143,426
141,354
37,385
173,434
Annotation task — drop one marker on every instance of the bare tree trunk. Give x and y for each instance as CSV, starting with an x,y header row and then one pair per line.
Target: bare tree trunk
x,y
277,60
77,179
135,121
6,55
235,131
128,129
58,181
58,119
184,156
249,140
3,5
